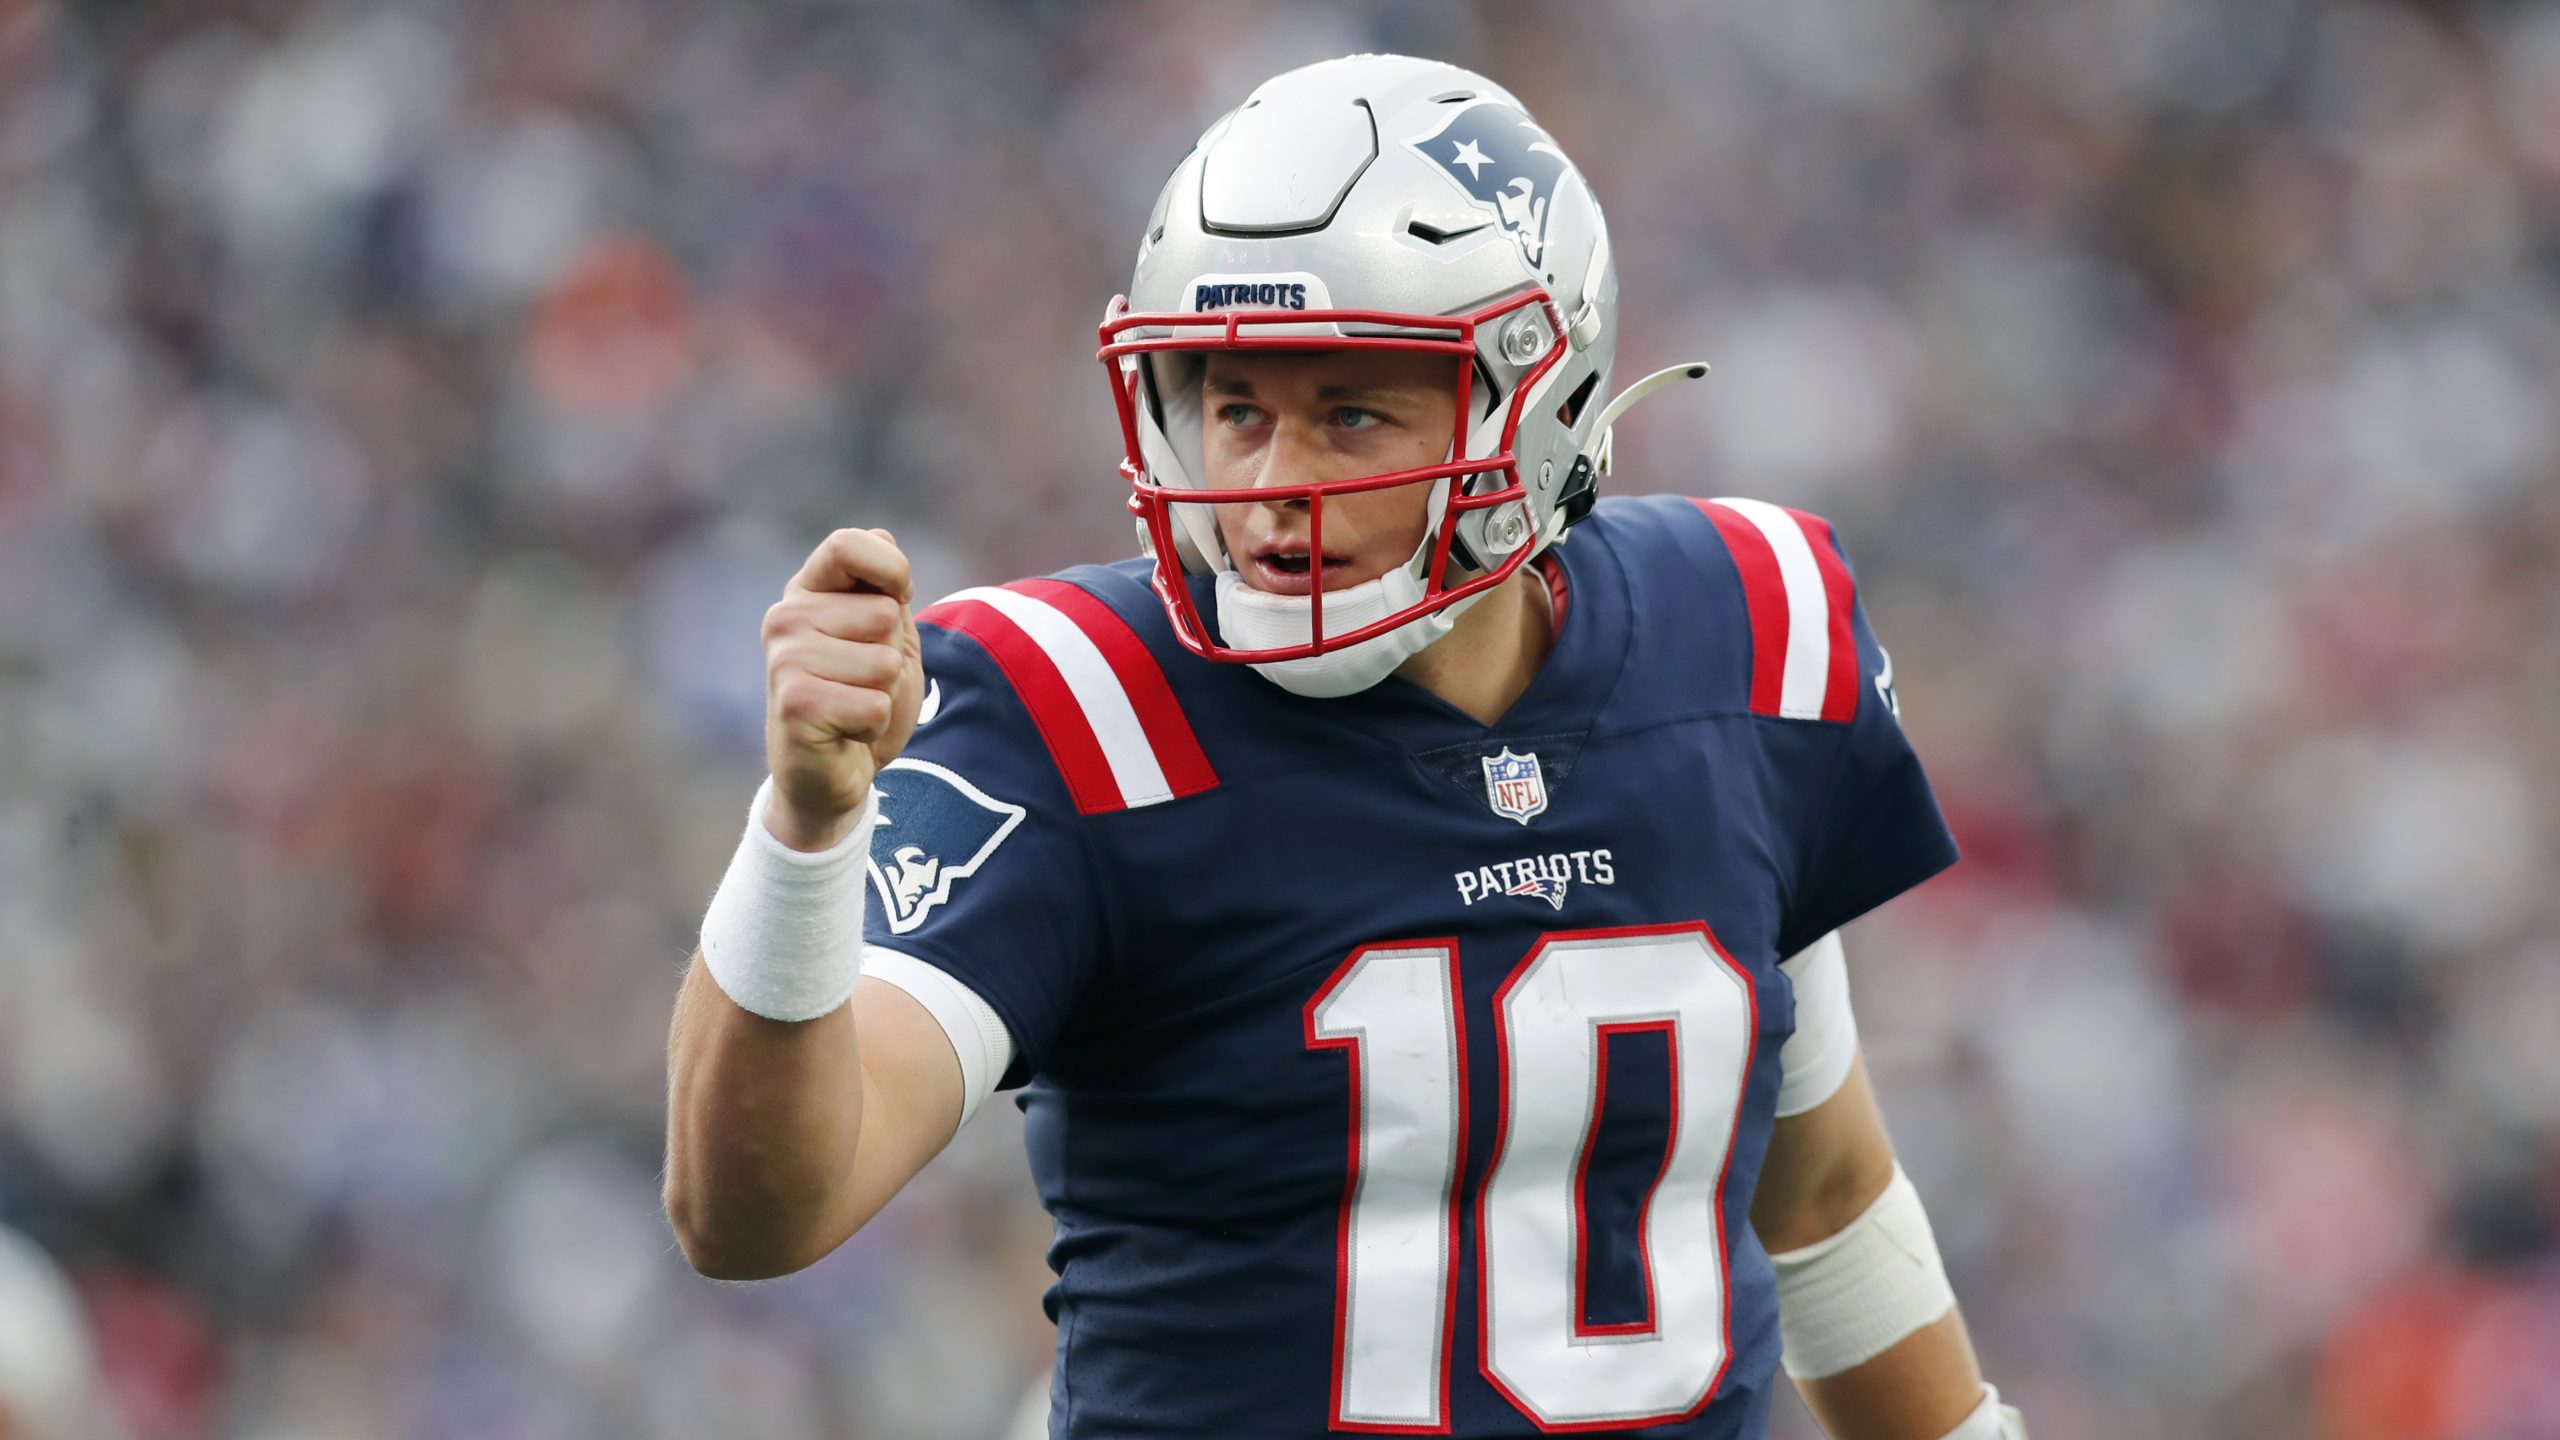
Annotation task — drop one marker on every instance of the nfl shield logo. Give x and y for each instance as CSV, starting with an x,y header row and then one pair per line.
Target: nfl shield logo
x,y
1514,786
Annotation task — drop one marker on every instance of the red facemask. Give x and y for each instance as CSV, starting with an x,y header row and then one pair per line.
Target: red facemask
x,y
1130,340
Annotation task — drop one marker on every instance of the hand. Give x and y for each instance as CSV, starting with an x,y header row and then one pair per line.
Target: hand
x,y
843,679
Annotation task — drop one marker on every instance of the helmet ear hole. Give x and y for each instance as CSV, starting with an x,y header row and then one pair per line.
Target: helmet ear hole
x,y
1571,410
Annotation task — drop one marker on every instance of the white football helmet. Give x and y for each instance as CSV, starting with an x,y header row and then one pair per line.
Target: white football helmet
x,y
1384,202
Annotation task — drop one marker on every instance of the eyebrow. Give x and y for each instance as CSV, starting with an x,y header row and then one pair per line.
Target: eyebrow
x,y
1325,394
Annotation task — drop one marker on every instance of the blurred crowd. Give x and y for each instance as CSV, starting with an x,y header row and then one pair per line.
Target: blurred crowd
x,y
408,409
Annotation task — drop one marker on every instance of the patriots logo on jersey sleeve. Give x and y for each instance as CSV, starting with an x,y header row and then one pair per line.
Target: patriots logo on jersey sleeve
x,y
1499,156
935,830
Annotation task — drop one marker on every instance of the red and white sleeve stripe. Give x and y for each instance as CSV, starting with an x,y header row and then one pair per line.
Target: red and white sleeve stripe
x,y
1804,653
1098,697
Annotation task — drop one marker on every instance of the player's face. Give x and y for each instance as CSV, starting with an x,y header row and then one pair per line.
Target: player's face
x,y
1295,419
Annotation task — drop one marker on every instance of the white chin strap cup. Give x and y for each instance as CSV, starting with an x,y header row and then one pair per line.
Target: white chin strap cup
x,y
1252,619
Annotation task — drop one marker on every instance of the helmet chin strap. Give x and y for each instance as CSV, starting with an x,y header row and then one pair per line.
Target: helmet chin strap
x,y
1258,620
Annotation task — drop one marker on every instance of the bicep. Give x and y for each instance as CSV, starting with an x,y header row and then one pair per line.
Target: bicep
x,y
1824,1167
912,1094
1829,1149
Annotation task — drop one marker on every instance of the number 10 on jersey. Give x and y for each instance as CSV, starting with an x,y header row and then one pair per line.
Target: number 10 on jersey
x,y
1393,1008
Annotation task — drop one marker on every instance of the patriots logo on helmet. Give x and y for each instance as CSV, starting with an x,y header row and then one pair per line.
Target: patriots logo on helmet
x,y
934,831
1500,157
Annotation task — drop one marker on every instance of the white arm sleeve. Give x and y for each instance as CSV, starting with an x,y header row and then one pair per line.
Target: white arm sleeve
x,y
1816,1058
977,1036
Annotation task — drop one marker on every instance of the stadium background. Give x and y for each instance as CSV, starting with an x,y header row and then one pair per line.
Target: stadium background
x,y
406,412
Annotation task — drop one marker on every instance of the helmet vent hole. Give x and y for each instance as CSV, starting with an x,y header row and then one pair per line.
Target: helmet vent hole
x,y
1454,97
1570,412
1433,234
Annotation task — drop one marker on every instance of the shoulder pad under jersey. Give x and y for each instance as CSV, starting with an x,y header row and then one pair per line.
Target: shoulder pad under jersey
x,y
1106,720
1774,572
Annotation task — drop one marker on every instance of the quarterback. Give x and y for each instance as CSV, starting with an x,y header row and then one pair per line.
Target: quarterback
x,y
1406,895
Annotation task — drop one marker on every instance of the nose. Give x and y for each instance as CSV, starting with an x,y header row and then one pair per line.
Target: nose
x,y
1291,457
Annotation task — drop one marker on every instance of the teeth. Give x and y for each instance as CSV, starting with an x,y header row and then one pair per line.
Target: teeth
x,y
1296,563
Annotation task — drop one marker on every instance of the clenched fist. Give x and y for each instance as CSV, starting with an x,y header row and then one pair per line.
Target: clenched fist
x,y
843,677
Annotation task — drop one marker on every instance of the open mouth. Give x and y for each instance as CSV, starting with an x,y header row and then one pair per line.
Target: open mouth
x,y
1287,571
1299,562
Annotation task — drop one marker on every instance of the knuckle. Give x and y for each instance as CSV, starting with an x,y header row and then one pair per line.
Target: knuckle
x,y
868,712
784,674
878,664
804,699
841,616
873,617
794,693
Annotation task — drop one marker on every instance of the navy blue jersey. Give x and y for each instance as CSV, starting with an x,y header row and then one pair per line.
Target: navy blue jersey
x,y
1386,1071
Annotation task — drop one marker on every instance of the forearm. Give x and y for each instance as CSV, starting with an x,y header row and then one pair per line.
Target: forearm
x,y
801,1095
1920,1388
1874,1340
764,1118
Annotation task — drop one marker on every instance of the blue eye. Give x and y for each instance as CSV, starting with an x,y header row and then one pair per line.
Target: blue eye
x,y
1353,418
1238,413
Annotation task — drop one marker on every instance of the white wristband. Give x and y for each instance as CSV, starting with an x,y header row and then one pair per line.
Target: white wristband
x,y
1990,1420
783,936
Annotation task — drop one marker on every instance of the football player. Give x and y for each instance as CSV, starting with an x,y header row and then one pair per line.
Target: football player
x,y
1414,935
